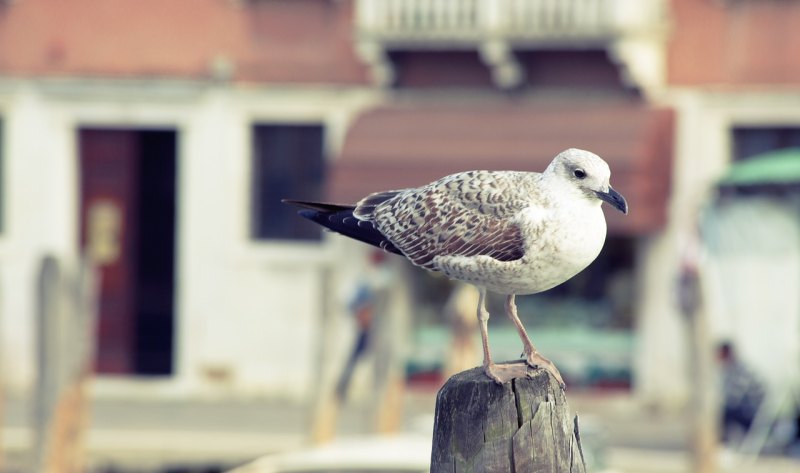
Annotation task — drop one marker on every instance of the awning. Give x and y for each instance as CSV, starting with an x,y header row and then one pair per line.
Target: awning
x,y
407,145
781,167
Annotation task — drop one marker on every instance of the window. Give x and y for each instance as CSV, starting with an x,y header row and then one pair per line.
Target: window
x,y
748,142
288,162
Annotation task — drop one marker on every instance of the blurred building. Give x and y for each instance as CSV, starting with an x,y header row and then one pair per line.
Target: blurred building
x,y
734,84
160,137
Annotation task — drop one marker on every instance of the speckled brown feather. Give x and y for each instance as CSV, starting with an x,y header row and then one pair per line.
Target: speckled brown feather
x,y
464,214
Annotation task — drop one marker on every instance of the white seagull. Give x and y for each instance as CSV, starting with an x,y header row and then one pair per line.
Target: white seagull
x,y
507,232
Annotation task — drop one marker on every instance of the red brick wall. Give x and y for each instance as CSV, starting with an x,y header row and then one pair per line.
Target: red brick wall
x,y
302,41
737,42
266,40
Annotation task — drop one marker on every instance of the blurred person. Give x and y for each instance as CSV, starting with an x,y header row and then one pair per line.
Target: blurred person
x,y
369,298
794,447
742,394
362,307
369,306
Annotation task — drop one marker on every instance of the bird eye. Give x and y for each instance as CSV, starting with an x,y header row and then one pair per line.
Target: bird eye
x,y
579,173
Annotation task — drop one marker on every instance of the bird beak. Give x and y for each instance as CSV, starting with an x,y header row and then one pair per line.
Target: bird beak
x,y
614,198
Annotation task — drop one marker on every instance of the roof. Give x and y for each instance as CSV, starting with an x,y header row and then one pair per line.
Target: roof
x,y
775,167
407,145
279,42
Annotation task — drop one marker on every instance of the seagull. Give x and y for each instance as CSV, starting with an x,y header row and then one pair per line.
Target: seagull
x,y
508,232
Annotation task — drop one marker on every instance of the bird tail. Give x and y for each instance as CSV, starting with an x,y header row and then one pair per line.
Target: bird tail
x,y
339,218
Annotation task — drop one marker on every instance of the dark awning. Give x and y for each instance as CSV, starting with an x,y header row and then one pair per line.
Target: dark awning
x,y
398,146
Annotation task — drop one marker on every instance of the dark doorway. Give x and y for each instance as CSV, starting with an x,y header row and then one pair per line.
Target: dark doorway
x,y
156,268
128,215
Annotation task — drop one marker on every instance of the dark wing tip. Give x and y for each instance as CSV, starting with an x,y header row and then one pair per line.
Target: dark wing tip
x,y
319,206
340,219
308,213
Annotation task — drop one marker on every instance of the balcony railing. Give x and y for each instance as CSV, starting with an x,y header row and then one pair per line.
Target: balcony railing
x,y
466,20
632,31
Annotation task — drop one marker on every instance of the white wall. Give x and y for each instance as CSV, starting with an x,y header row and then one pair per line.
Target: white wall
x,y
246,312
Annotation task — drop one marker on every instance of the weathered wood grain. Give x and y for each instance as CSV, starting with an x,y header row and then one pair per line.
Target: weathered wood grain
x,y
519,427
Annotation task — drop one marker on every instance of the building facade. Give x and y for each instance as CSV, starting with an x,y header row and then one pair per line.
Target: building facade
x,y
177,127
131,131
733,83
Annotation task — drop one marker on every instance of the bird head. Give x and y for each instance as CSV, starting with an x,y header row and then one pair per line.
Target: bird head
x,y
587,173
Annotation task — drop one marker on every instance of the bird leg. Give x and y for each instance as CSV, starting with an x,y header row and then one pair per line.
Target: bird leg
x,y
502,373
532,356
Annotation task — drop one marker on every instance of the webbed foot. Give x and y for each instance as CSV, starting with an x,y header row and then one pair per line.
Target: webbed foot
x,y
505,372
535,360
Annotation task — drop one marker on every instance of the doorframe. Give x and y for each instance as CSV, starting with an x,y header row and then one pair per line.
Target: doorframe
x,y
132,385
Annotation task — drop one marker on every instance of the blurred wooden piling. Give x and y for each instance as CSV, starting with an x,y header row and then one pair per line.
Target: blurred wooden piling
x,y
519,427
705,411
65,340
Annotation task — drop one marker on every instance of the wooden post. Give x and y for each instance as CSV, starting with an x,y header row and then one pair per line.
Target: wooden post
x,y
518,427
47,360
705,412
65,322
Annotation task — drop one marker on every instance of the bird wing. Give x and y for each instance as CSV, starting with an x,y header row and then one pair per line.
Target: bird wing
x,y
465,214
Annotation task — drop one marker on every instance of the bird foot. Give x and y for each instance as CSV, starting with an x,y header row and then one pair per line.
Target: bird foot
x,y
535,360
505,372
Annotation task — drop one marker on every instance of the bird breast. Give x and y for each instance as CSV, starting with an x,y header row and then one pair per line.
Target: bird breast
x,y
560,244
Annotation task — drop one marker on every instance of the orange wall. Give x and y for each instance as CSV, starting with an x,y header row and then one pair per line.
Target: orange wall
x,y
737,42
266,40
